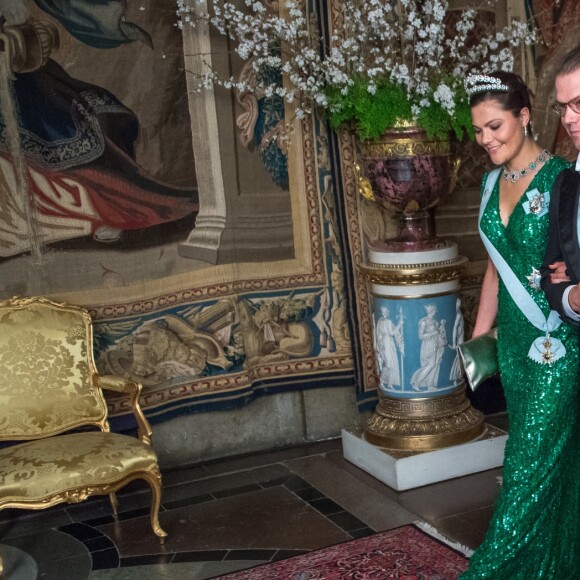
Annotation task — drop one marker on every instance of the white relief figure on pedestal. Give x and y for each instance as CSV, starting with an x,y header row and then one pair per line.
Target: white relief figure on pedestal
x,y
389,345
457,338
442,342
433,339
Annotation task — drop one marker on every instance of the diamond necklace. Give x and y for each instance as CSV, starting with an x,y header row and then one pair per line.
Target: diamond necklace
x,y
513,176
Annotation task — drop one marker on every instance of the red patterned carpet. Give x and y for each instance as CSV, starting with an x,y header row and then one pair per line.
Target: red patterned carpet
x,y
405,553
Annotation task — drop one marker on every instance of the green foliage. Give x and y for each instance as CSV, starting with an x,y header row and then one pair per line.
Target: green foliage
x,y
372,114
462,120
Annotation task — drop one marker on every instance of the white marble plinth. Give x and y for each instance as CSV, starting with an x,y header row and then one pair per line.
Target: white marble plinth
x,y
420,258
406,470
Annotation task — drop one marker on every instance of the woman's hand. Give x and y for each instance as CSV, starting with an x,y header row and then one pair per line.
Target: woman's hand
x,y
480,330
15,11
559,273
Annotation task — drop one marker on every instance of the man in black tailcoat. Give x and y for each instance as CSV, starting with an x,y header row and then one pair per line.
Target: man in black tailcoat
x,y
561,268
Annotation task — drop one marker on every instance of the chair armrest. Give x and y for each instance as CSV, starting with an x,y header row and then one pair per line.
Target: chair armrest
x,y
121,385
113,383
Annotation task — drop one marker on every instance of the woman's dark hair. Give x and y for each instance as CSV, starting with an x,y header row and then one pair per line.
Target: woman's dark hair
x,y
512,100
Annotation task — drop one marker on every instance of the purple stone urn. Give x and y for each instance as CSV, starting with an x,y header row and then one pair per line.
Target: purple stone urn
x,y
407,173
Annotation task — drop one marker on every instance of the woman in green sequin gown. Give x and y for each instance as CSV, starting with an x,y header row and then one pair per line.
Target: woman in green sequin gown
x,y
535,529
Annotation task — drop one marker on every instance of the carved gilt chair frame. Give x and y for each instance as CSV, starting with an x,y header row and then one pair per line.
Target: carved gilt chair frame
x,y
54,415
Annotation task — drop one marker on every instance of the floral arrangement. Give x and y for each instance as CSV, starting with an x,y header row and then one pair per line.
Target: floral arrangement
x,y
391,61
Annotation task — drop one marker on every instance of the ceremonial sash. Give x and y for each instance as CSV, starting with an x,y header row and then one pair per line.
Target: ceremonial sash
x,y
544,349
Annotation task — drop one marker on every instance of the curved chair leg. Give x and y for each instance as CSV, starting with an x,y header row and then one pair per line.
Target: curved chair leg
x,y
114,504
155,483
1,565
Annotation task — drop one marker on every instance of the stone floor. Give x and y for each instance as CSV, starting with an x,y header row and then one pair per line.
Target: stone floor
x,y
237,513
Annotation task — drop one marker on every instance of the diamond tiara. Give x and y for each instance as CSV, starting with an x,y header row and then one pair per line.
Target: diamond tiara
x,y
482,83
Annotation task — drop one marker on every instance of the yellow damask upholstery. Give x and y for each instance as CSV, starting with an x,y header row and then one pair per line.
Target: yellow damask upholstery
x,y
48,386
33,470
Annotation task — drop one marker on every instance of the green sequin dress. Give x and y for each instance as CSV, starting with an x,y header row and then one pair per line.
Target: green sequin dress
x,y
535,529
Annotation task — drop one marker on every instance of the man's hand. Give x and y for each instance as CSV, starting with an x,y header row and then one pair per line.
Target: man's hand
x,y
559,273
14,11
574,298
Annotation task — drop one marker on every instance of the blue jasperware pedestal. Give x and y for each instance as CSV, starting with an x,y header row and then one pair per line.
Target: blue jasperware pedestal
x,y
417,324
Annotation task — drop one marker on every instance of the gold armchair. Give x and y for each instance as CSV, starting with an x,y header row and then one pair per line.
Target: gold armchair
x,y
48,386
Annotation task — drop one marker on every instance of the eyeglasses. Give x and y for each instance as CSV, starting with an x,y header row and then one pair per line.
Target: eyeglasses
x,y
560,108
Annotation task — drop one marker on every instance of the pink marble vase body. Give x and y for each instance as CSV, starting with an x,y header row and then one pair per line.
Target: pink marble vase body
x,y
409,174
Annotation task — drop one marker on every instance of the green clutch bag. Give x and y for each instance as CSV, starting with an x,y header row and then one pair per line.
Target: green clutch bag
x,y
479,358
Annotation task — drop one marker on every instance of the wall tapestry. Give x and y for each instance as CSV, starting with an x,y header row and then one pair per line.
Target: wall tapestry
x,y
210,260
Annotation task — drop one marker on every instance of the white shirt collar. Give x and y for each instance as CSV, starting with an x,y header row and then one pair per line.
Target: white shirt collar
x,y
578,163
